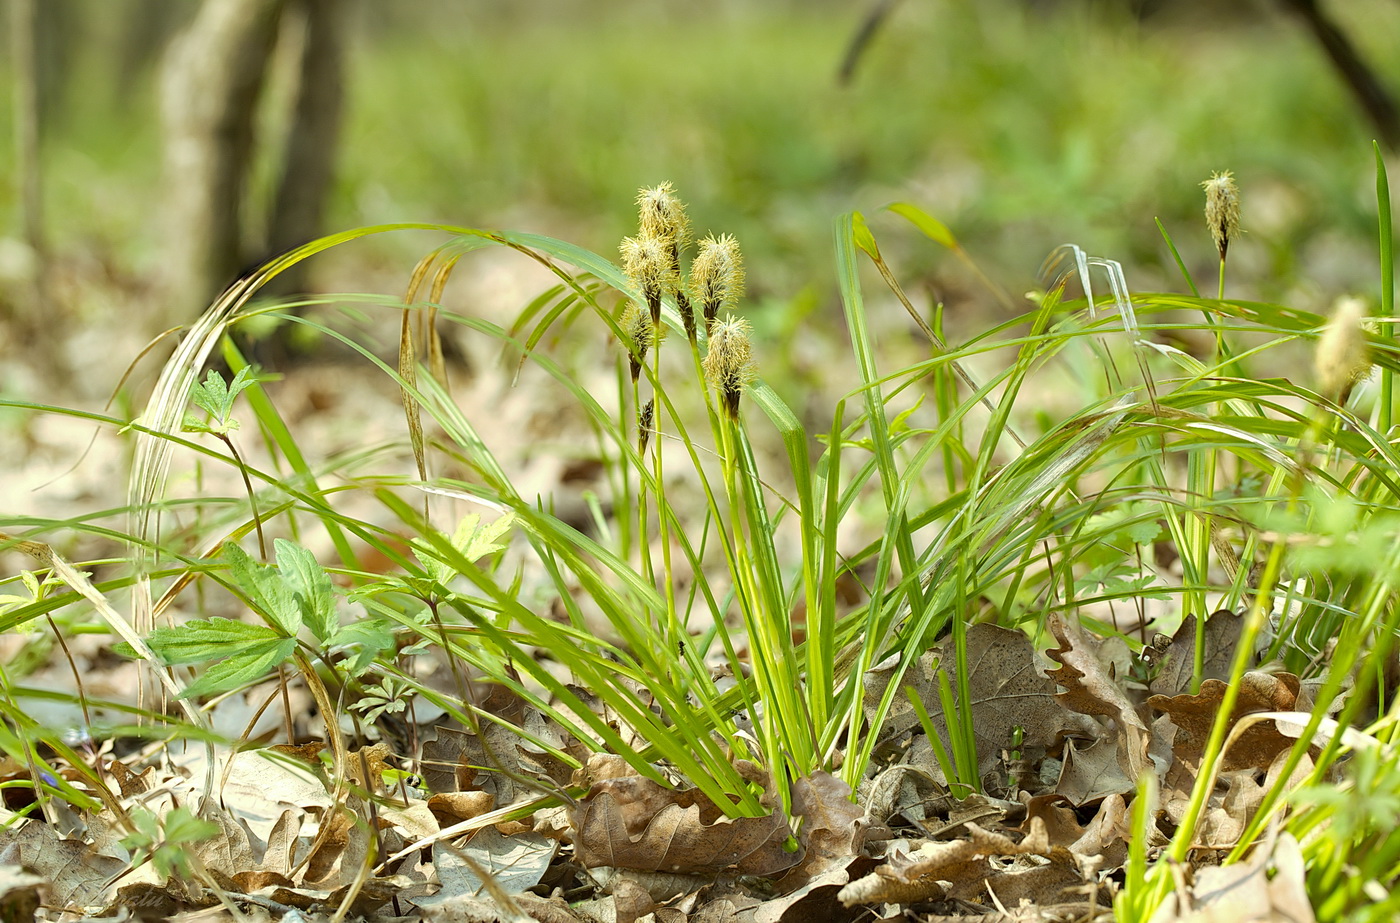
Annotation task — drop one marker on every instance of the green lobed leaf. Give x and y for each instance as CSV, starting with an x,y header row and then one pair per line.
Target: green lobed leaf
x,y
252,663
267,590
211,395
476,542
209,639
310,586
367,638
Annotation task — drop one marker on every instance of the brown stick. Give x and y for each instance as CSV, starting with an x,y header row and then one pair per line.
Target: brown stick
x,y
1366,88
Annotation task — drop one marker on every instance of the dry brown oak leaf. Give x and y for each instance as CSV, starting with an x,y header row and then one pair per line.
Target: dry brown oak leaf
x,y
965,868
1176,661
634,823
1089,690
1258,744
1008,691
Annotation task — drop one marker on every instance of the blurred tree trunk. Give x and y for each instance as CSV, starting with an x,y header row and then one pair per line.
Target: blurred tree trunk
x,y
24,61
145,33
308,167
1360,78
213,78
211,83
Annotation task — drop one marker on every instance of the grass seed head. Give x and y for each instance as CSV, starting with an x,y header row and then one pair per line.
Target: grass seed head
x,y
1343,357
649,267
717,276
729,362
1222,209
662,216
640,331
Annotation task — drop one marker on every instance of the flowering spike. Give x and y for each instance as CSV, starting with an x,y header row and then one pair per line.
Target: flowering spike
x,y
717,276
729,364
648,266
1343,356
1222,209
662,216
636,324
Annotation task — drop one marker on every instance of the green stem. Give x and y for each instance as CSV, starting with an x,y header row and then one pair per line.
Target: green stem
x,y
1387,257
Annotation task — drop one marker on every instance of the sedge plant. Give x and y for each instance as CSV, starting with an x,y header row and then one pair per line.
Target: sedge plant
x,y
698,606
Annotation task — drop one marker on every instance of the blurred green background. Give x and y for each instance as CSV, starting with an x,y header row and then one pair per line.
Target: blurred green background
x,y
1020,124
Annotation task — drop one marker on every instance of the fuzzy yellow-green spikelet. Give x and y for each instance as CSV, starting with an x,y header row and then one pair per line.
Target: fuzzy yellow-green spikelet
x,y
661,216
1343,357
717,276
729,362
648,265
1222,209
637,325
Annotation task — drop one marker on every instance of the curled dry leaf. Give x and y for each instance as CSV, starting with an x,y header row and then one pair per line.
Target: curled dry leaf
x,y
1056,813
1089,690
1106,838
1268,886
969,875
632,822
818,899
1258,744
833,828
451,807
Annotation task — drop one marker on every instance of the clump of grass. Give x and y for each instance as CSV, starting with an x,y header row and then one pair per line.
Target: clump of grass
x,y
706,621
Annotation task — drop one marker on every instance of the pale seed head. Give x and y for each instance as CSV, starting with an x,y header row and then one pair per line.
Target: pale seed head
x,y
729,363
637,326
662,216
1343,356
648,266
1222,209
717,275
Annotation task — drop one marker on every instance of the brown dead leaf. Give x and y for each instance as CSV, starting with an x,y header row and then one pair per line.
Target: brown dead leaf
x,y
970,875
489,860
906,792
132,783
458,759
818,899
75,875
1093,773
337,828
1055,812
365,767
451,807
833,827
1246,892
1176,660
1008,691
1106,837
248,882
1227,816
21,893
1257,745
632,822
1090,690
975,808
229,851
